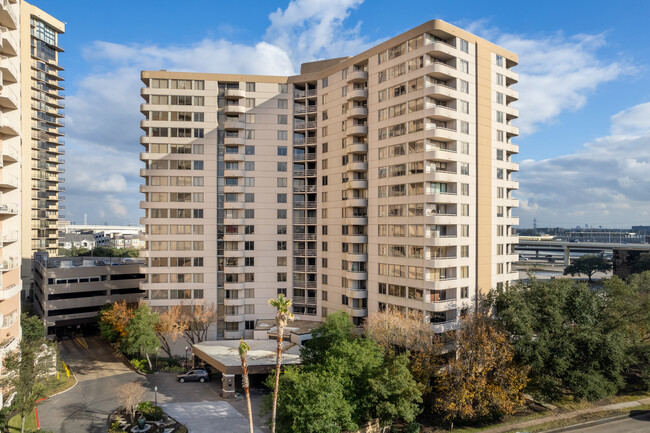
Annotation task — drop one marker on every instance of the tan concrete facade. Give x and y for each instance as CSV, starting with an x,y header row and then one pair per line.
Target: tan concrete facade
x,y
42,143
368,181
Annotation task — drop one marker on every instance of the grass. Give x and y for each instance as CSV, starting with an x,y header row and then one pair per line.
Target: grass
x,y
30,423
582,418
52,386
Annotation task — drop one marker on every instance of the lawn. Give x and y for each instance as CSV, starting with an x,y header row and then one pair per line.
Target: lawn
x,y
52,386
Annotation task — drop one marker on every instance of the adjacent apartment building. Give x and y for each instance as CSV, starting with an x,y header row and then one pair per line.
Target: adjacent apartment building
x,y
41,99
381,179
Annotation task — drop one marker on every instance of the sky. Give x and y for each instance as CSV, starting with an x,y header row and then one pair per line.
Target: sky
x,y
583,83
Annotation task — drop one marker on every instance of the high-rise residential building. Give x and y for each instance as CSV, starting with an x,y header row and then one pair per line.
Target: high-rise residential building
x,y
382,179
42,123
10,187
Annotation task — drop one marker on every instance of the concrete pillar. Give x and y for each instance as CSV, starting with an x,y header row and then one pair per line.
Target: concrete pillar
x,y
567,255
228,385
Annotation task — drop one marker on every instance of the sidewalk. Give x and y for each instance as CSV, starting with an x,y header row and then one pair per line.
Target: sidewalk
x,y
525,424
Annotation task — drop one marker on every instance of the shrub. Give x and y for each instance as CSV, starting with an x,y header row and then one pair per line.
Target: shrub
x,y
414,427
115,428
150,412
140,365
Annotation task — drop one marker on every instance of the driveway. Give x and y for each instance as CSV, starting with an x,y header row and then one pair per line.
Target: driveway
x,y
85,407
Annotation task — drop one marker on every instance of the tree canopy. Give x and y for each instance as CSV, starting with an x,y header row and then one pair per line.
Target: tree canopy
x,y
562,331
346,381
588,265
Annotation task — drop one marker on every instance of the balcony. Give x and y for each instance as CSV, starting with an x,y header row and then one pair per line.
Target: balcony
x,y
356,202
441,70
357,148
8,99
8,43
358,76
234,141
8,127
233,205
358,94
357,130
304,300
8,181
234,125
233,157
10,236
235,93
357,166
234,173
234,109
440,91
9,264
7,16
358,112
10,292
9,209
443,50
358,312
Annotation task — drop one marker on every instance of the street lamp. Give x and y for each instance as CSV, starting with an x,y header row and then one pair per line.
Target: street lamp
x,y
155,395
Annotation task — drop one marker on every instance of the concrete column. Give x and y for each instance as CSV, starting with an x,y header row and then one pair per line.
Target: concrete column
x,y
228,385
567,255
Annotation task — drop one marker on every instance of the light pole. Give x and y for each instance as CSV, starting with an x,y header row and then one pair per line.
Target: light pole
x,y
155,395
186,350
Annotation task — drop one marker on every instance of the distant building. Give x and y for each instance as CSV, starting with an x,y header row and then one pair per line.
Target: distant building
x,y
624,259
70,291
72,240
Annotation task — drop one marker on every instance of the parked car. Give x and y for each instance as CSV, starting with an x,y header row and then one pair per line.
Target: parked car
x,y
194,375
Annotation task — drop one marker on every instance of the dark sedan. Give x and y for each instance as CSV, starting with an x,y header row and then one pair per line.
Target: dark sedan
x,y
194,375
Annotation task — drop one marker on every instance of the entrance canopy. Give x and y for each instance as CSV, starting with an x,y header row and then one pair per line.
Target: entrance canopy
x,y
224,355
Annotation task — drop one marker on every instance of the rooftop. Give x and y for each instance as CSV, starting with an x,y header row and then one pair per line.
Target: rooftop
x,y
83,262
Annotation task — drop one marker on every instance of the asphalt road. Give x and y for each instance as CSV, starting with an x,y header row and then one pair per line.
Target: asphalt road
x,y
100,372
633,424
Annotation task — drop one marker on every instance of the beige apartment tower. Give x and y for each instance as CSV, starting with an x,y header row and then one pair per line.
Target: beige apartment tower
x,y
382,179
42,120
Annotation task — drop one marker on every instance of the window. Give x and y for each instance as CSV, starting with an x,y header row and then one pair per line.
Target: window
x,y
283,103
499,60
249,261
464,148
324,180
249,118
249,197
499,211
464,251
281,230
249,134
282,183
500,136
283,88
464,66
250,87
281,261
464,230
464,168
282,150
249,277
325,82
249,230
499,154
249,102
249,245
463,45
500,79
500,192
464,189
464,127
499,117
282,198
464,210
282,119
464,292
249,213
282,135
464,271
464,107
198,213
281,245
500,98
249,150
464,86
499,173
281,276
281,214
249,165
248,181
282,166
198,165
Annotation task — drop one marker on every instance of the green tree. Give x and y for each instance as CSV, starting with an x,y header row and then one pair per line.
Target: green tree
x,y
311,402
588,265
482,382
355,369
282,317
26,369
642,263
561,330
32,327
140,334
243,351
337,328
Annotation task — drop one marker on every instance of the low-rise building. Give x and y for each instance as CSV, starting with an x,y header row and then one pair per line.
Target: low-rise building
x,y
70,291
73,240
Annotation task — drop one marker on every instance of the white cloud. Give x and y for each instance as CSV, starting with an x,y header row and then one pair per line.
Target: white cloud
x,y
556,72
604,183
103,115
633,121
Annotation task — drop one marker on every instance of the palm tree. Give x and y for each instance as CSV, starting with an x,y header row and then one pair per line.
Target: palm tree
x,y
243,350
283,315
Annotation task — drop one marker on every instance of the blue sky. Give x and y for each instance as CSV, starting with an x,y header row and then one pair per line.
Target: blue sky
x,y
584,87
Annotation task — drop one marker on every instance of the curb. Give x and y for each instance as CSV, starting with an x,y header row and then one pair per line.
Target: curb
x,y
76,381
593,423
